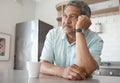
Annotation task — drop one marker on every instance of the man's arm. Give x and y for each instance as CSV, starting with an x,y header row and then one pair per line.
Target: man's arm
x,y
83,56
72,72
51,69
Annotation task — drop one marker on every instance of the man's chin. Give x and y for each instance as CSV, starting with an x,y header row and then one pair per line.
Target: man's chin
x,y
67,31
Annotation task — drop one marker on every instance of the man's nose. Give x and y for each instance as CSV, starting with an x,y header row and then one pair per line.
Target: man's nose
x,y
68,20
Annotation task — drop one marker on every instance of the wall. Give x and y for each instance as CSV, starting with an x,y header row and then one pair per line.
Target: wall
x,y
46,11
110,35
111,31
12,12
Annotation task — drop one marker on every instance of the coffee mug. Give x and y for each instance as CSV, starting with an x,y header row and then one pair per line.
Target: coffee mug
x,y
33,69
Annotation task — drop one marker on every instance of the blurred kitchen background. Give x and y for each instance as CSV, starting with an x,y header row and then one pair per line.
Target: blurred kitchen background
x,y
105,21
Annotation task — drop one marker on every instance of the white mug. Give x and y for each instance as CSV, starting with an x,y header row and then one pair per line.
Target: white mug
x,y
33,69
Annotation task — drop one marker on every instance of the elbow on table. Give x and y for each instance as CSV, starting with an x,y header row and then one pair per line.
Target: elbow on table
x,y
90,70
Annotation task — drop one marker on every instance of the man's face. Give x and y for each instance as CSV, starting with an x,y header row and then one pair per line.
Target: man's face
x,y
70,18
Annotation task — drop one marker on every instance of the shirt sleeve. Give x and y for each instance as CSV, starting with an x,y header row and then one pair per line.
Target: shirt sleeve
x,y
96,49
47,52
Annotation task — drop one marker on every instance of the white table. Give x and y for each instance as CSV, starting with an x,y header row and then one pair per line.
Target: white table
x,y
19,76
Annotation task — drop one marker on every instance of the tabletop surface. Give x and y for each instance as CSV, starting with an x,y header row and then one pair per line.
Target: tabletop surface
x,y
20,76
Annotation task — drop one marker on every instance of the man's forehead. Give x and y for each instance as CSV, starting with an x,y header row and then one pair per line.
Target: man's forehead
x,y
72,9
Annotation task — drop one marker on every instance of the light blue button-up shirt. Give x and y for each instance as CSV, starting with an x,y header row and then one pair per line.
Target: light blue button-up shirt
x,y
59,51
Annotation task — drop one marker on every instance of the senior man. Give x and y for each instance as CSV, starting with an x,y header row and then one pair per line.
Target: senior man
x,y
72,51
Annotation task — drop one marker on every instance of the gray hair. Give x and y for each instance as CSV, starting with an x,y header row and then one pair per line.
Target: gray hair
x,y
84,8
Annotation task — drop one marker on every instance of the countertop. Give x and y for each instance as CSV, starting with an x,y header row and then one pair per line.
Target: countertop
x,y
110,67
20,76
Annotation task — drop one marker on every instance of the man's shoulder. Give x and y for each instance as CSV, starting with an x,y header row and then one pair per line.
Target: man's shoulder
x,y
92,35
56,31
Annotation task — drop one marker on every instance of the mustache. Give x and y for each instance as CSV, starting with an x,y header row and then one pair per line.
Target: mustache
x,y
67,25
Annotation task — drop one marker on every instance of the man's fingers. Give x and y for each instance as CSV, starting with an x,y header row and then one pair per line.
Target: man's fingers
x,y
77,72
83,22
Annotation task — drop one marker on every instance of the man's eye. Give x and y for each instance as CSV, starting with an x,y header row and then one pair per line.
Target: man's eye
x,y
73,17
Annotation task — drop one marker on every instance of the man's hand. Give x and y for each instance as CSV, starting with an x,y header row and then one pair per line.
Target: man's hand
x,y
74,72
83,22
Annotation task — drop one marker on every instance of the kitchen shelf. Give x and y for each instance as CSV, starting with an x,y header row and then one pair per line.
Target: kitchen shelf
x,y
60,7
93,1
106,10
59,19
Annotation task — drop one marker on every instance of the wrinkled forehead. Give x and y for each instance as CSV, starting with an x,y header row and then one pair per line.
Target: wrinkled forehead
x,y
72,9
